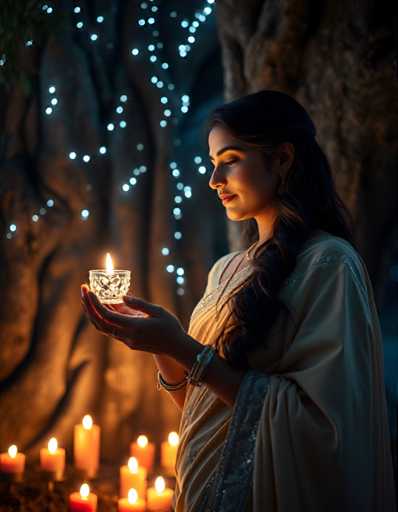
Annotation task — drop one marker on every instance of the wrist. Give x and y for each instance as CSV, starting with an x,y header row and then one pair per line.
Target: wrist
x,y
186,350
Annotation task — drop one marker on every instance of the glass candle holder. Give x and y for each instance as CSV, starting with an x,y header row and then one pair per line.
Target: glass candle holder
x,y
110,286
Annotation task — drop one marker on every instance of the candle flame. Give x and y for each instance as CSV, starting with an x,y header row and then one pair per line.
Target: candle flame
x,y
133,465
142,441
132,496
108,263
87,422
84,491
52,445
160,485
174,439
12,451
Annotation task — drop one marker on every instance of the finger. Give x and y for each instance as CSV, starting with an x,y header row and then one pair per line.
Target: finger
x,y
92,312
99,320
112,316
93,319
142,305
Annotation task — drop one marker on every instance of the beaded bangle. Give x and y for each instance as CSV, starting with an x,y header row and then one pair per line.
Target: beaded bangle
x,y
161,383
198,369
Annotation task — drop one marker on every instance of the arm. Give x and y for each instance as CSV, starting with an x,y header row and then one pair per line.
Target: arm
x,y
220,377
173,373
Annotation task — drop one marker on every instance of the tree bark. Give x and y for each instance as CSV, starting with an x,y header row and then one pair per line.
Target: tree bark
x,y
339,59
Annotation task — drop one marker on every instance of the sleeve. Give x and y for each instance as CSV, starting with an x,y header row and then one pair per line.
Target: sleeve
x,y
314,436
323,440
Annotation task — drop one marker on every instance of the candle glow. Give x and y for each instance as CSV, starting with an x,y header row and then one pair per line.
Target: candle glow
x,y
52,445
132,496
173,438
12,451
84,491
87,422
160,484
142,441
109,263
133,465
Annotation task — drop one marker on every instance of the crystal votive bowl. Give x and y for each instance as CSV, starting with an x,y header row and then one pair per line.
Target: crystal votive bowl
x,y
110,286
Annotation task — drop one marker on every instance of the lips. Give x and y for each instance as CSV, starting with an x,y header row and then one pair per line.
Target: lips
x,y
227,197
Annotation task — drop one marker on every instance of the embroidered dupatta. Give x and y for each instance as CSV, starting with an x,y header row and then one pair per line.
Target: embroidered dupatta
x,y
308,431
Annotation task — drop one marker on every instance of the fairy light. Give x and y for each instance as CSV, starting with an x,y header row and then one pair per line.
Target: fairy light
x,y
171,115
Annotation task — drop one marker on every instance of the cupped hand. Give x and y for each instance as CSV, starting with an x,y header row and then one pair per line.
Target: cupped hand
x,y
156,331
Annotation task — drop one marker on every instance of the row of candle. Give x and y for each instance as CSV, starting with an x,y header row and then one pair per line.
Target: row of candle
x,y
87,452
158,499
133,476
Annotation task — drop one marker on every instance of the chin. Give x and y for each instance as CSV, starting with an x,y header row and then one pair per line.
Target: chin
x,y
237,215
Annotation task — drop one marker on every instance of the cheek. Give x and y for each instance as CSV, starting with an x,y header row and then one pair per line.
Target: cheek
x,y
257,181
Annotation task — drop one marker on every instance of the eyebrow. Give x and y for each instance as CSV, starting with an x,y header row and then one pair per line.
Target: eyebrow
x,y
227,148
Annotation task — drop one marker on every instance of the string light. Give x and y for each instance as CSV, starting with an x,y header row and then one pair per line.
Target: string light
x,y
171,115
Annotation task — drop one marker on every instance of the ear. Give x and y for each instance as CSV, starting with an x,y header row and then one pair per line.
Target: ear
x,y
286,153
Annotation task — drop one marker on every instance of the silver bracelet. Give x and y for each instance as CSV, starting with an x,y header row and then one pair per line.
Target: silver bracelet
x,y
203,359
161,383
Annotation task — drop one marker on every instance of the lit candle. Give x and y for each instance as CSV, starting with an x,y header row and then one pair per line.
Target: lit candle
x,y
86,446
169,452
13,462
143,451
133,476
132,503
83,501
159,497
52,459
109,284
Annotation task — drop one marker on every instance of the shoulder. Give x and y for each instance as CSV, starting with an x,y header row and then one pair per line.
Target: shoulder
x,y
327,268
325,252
218,267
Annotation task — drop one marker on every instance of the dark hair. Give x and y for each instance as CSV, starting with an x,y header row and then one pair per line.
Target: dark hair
x,y
306,201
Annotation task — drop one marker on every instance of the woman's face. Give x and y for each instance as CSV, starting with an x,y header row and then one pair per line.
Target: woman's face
x,y
241,173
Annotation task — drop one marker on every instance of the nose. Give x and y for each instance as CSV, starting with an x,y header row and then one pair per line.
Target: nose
x,y
217,178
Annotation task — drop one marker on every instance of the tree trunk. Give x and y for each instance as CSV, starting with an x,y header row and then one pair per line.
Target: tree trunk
x,y
339,59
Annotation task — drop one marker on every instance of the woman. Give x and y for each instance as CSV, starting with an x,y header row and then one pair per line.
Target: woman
x,y
280,376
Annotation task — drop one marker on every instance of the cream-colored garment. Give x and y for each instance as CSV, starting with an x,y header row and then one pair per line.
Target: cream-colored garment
x,y
323,442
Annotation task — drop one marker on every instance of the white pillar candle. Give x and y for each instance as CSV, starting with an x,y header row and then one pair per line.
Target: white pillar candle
x,y
86,446
169,452
159,497
12,462
132,503
52,459
83,501
133,476
144,452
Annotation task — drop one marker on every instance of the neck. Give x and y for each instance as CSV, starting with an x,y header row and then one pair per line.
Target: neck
x,y
265,225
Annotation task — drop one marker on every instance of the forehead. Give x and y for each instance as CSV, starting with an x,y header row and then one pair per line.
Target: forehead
x,y
220,136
